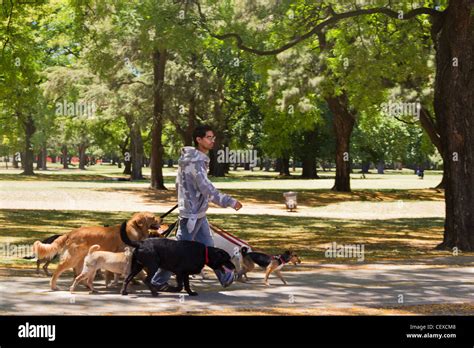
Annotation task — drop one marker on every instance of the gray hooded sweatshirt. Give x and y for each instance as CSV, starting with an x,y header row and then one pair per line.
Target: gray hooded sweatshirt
x,y
194,188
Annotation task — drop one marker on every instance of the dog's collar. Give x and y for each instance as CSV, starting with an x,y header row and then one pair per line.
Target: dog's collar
x,y
280,259
207,257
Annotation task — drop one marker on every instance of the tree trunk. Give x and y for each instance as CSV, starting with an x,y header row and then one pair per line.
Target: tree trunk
x,y
136,149
44,157
283,166
82,156
39,158
64,156
27,161
159,64
365,167
309,155
216,168
15,161
309,168
453,102
380,167
430,127
343,124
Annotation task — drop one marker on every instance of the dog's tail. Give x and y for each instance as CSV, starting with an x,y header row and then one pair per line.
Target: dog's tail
x,y
93,248
48,251
124,236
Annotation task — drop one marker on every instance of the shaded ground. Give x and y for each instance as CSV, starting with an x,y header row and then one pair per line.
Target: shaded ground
x,y
328,289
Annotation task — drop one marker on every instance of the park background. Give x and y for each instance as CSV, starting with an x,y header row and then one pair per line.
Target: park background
x,y
98,97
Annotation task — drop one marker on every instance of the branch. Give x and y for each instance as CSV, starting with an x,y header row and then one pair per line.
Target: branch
x,y
406,122
68,51
117,85
8,26
336,17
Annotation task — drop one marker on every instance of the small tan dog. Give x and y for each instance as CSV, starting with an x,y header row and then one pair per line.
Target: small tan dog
x,y
117,263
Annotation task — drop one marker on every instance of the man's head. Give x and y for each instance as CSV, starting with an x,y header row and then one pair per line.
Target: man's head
x,y
204,138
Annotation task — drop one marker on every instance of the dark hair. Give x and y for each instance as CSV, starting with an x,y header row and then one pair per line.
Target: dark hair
x,y
200,131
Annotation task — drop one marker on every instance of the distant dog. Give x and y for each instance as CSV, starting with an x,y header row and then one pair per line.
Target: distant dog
x,y
46,259
183,258
270,263
117,263
75,245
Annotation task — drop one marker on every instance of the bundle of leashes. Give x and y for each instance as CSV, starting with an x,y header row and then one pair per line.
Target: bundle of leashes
x,y
171,227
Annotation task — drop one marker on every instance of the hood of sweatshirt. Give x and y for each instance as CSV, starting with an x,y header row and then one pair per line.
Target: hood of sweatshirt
x,y
191,154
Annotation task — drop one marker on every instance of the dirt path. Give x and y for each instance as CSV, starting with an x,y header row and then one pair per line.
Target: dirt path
x,y
323,288
99,197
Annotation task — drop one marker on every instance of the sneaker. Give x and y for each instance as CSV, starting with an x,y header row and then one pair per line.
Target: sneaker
x,y
226,276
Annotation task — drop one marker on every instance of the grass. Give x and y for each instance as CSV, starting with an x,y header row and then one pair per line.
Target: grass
x,y
383,239
55,172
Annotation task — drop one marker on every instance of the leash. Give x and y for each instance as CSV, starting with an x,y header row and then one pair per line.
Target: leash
x,y
207,256
170,229
168,212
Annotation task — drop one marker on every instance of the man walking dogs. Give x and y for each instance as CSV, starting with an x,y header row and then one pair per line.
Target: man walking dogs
x,y
194,190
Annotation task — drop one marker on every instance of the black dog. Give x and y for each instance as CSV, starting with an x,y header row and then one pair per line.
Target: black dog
x,y
180,257
48,240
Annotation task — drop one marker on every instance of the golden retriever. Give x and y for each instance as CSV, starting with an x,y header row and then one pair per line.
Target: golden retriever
x,y
75,245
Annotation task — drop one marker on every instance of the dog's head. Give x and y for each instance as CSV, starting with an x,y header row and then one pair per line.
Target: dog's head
x,y
219,258
140,223
244,250
291,257
220,261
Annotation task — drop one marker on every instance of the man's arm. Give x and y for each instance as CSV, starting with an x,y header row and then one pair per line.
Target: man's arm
x,y
206,187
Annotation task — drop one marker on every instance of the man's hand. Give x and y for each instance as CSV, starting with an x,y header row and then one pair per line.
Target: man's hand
x,y
238,205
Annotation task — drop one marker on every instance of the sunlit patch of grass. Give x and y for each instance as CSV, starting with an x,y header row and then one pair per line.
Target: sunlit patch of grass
x,y
309,237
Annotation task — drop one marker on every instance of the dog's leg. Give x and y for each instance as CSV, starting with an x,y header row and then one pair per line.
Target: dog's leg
x,y
79,278
185,278
90,282
66,264
278,273
45,268
38,263
136,268
179,282
78,269
267,274
107,279
116,279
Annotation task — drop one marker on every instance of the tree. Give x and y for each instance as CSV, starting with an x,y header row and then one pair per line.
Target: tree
x,y
452,31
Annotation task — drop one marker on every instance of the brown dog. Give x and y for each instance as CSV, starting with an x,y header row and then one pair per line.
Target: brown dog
x,y
75,245
270,263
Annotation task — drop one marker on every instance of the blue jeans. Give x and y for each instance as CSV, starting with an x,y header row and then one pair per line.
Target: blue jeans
x,y
201,233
